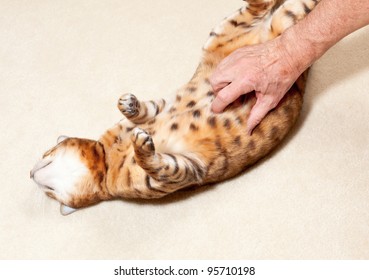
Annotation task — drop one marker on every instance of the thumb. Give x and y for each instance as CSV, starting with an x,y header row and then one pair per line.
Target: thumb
x,y
227,95
258,112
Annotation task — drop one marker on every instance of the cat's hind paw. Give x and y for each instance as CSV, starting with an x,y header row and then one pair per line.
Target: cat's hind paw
x,y
129,105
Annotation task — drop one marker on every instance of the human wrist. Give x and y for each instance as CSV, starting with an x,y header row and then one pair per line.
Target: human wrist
x,y
298,51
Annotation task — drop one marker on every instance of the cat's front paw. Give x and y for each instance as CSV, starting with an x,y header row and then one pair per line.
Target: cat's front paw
x,y
128,105
142,141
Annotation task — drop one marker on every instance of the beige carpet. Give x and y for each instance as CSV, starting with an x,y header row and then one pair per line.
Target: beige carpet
x,y
63,64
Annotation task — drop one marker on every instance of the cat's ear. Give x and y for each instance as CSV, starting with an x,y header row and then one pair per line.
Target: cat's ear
x,y
66,210
61,138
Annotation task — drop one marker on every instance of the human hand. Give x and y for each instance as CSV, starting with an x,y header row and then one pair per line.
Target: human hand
x,y
266,69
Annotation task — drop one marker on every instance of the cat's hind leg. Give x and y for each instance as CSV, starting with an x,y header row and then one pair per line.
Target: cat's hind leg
x,y
171,171
137,111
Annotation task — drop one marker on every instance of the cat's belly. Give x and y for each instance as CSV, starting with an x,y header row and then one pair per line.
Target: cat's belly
x,y
177,133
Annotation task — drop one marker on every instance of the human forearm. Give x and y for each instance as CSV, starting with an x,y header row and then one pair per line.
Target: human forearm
x,y
327,24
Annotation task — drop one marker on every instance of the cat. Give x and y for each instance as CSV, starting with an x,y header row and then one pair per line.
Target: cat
x,y
161,147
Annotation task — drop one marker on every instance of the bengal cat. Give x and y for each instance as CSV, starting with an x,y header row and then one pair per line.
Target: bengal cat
x,y
161,147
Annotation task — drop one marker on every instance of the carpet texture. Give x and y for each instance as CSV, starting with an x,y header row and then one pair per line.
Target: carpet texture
x,y
63,64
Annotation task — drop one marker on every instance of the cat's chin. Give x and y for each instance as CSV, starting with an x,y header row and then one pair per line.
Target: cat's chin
x,y
33,175
38,166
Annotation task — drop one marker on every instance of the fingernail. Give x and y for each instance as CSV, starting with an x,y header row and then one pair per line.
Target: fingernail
x,y
213,107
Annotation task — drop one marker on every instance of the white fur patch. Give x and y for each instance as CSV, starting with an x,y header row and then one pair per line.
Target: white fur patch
x,y
60,172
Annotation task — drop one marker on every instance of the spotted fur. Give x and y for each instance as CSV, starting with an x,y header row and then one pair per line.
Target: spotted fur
x,y
161,146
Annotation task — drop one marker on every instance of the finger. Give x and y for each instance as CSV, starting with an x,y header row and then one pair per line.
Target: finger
x,y
258,112
219,86
227,95
218,82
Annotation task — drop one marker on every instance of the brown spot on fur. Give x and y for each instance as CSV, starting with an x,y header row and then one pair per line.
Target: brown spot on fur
x,y
178,98
237,24
129,129
196,113
274,132
210,93
191,104
233,22
192,89
227,124
193,127
212,121
239,120
251,145
174,126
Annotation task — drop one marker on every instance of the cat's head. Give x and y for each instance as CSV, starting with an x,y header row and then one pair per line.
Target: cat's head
x,y
73,172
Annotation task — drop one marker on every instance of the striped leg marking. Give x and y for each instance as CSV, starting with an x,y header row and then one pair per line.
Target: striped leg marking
x,y
173,171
